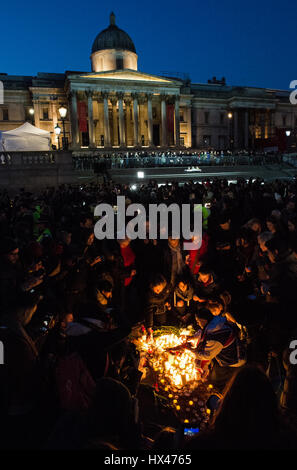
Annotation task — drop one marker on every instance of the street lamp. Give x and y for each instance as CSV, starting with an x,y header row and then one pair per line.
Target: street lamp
x,y
31,112
288,133
63,114
58,132
230,116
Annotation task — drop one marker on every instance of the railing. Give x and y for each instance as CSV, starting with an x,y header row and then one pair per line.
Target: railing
x,y
114,161
27,158
291,159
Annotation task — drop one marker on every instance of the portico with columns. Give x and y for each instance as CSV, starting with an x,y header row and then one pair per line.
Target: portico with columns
x,y
125,109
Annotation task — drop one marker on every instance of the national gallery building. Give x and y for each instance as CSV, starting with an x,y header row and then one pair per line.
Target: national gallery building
x,y
117,106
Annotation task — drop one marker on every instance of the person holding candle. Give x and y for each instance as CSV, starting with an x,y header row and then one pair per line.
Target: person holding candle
x,y
219,342
157,302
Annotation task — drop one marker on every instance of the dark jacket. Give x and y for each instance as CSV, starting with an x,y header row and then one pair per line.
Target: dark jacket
x,y
204,291
11,276
167,261
155,305
282,284
19,376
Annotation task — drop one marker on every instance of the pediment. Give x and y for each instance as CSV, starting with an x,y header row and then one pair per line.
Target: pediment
x,y
128,75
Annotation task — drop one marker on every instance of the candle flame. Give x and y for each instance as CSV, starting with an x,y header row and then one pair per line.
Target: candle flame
x,y
177,368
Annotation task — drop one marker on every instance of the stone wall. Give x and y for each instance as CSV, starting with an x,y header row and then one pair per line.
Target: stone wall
x,y
35,170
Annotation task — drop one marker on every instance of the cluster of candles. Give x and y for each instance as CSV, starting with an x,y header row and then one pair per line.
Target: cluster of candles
x,y
177,375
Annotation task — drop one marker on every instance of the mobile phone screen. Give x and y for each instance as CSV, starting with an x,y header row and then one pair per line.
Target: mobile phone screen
x,y
191,431
251,297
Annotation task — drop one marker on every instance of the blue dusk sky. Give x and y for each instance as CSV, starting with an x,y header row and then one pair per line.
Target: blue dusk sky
x,y
251,43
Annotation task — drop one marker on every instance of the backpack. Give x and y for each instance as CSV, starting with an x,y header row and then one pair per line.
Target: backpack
x,y
75,385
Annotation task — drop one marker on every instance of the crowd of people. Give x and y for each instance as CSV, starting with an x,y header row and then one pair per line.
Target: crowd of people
x,y
150,159
69,302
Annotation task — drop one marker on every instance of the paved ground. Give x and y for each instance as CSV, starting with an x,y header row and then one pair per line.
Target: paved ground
x,y
129,176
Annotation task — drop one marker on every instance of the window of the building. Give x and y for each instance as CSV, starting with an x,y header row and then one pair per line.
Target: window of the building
x,y
207,140
222,118
181,117
85,139
45,113
154,113
182,141
119,63
222,142
284,120
206,117
4,114
258,132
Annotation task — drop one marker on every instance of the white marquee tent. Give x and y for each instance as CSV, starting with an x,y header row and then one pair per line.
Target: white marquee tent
x,y
25,137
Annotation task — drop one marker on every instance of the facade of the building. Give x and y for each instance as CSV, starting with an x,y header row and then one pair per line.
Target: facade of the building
x,y
117,106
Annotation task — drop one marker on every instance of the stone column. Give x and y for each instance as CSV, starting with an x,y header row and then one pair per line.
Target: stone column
x,y
99,99
106,121
127,102
163,121
246,129
89,94
115,140
235,118
54,116
135,119
177,121
142,119
73,118
121,120
36,111
150,119
189,126
55,107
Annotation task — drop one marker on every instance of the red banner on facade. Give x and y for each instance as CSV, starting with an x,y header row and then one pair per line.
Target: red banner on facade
x,y
82,116
170,117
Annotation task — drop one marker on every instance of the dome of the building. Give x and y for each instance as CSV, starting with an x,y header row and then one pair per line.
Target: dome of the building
x,y
113,38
